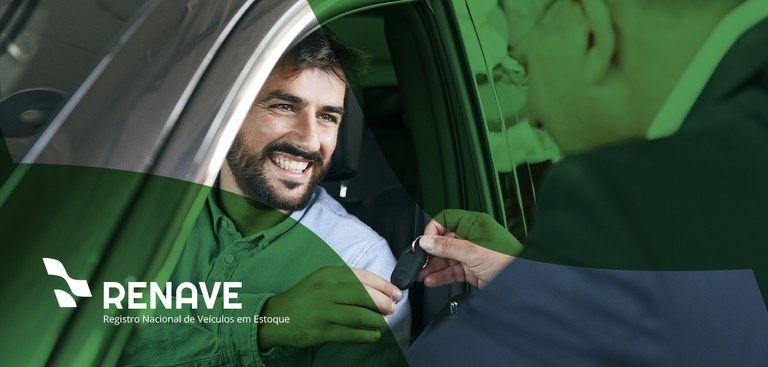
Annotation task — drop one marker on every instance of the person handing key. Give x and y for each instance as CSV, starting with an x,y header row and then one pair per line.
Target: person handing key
x,y
465,246
647,247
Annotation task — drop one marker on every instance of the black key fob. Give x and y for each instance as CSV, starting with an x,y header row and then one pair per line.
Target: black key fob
x,y
412,260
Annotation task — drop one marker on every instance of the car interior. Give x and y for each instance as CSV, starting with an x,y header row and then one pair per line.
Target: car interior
x,y
400,142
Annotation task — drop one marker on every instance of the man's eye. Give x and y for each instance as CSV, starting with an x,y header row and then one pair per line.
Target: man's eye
x,y
282,107
329,118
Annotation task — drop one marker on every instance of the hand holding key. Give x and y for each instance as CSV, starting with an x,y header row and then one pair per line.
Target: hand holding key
x,y
465,246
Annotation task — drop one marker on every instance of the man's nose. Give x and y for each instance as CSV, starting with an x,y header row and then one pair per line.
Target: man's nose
x,y
306,132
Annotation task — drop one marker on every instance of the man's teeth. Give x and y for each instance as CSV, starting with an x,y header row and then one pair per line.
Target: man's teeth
x,y
291,166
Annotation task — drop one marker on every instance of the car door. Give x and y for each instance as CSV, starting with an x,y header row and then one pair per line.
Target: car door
x,y
110,184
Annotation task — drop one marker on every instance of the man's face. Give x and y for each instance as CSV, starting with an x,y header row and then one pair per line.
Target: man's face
x,y
285,145
558,101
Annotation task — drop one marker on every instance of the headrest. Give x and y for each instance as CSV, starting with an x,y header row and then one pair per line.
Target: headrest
x,y
24,115
346,158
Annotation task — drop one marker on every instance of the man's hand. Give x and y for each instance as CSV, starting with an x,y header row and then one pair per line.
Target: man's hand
x,y
465,246
330,305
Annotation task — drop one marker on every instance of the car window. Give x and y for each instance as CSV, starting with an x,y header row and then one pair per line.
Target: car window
x,y
122,83
520,153
46,50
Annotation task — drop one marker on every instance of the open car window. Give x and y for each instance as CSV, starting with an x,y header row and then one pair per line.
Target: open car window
x,y
520,153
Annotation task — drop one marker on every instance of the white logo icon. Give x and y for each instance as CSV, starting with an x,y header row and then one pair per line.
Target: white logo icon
x,y
77,287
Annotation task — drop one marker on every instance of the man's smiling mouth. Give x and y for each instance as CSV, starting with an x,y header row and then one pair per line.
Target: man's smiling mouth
x,y
290,165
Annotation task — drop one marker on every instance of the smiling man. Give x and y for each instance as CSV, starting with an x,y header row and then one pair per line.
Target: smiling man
x,y
271,227
285,145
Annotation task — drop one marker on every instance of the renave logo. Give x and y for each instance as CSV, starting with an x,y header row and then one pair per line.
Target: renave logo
x,y
77,287
165,295
186,293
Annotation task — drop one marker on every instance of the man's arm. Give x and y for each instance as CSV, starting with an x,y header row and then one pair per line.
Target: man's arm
x,y
538,314
203,335
375,257
331,305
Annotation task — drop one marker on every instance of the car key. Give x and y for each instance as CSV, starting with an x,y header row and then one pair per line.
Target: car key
x,y
411,261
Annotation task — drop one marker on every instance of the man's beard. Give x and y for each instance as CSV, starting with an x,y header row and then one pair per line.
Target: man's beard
x,y
249,171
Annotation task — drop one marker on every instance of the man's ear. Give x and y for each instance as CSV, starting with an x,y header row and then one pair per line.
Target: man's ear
x,y
601,42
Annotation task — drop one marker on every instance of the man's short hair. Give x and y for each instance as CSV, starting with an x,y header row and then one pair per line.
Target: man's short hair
x,y
323,51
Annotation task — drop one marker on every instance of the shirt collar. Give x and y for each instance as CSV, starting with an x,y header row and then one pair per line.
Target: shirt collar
x,y
220,220
684,95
